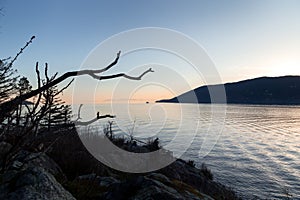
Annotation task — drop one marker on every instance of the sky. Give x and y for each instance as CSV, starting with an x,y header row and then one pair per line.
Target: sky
x,y
243,39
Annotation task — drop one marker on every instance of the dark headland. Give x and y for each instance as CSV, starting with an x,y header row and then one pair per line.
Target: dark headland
x,y
283,90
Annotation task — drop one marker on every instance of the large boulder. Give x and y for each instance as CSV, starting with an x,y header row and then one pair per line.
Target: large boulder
x,y
194,177
4,148
32,176
153,186
102,181
24,159
31,183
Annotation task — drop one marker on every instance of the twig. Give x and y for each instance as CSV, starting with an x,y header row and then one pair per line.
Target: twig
x,y
21,51
78,114
46,73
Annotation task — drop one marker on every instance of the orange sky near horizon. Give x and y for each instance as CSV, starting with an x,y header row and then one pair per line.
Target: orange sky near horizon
x,y
148,93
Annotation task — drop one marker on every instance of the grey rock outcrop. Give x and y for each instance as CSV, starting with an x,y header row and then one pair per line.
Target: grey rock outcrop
x,y
4,148
153,186
31,183
31,176
102,181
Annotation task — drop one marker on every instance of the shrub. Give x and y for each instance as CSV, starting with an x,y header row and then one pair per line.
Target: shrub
x,y
153,144
191,163
206,172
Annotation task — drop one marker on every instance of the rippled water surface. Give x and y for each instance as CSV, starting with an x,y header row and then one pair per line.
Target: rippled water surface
x,y
253,149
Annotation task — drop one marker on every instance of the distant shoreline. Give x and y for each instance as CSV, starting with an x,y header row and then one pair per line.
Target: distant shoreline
x,y
238,104
259,91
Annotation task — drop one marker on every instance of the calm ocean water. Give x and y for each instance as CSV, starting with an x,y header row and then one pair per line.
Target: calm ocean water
x,y
253,149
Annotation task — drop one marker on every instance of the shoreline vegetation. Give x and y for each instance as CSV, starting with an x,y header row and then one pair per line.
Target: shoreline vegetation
x,y
60,157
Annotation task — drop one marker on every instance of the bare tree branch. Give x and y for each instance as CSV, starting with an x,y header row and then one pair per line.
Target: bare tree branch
x,y
21,51
39,85
79,123
97,71
46,73
8,106
120,75
61,90
78,114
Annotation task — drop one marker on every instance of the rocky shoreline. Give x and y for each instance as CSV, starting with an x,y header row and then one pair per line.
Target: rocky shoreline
x,y
55,165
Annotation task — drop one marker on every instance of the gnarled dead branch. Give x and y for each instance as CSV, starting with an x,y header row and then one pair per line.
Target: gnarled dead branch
x,y
7,107
86,123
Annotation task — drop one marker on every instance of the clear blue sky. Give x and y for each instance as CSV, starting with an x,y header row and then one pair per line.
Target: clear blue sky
x,y
245,39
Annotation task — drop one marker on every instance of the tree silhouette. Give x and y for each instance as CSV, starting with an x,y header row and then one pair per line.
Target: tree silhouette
x,y
23,86
58,112
7,80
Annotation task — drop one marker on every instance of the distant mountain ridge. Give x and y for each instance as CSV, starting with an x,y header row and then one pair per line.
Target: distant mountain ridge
x,y
284,90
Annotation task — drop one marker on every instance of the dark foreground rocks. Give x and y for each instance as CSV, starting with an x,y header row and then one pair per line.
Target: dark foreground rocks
x,y
31,176
63,169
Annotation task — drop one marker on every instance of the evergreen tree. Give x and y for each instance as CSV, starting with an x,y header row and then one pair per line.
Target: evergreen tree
x,y
23,87
57,113
7,81
67,114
